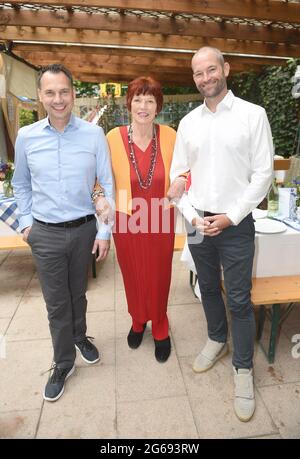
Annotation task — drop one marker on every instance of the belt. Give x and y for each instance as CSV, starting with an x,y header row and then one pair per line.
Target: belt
x,y
70,224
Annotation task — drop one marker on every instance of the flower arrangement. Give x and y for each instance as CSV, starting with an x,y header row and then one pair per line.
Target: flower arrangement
x,y
6,175
6,170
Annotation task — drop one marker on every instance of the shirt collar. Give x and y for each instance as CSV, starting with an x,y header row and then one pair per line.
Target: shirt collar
x,y
226,102
72,122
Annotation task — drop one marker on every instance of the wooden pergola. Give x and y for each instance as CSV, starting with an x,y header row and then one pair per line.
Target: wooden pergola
x,y
115,40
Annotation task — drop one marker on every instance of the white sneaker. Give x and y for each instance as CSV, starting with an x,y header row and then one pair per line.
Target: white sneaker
x,y
211,352
244,401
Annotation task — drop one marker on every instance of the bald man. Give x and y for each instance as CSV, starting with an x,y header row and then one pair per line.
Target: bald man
x,y
226,144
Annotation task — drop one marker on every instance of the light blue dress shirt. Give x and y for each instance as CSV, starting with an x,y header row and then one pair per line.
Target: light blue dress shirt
x,y
55,172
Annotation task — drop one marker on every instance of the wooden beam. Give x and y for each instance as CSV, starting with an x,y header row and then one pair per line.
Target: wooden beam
x,y
124,68
147,70
181,79
166,79
134,55
126,72
97,67
272,10
146,64
132,72
102,59
260,61
146,40
165,26
90,64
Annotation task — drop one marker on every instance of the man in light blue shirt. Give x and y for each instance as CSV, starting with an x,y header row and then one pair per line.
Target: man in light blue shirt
x,y
57,162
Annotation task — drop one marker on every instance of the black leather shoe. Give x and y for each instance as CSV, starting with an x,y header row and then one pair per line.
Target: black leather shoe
x,y
134,339
162,349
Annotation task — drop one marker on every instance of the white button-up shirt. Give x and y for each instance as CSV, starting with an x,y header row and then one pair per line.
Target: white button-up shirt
x,y
230,156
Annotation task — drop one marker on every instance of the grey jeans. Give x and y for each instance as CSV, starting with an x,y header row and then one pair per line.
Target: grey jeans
x,y
62,257
234,249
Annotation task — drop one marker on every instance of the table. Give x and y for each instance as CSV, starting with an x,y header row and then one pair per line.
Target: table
x,y
277,254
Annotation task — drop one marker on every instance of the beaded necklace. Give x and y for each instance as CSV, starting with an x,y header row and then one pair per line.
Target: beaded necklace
x,y
148,180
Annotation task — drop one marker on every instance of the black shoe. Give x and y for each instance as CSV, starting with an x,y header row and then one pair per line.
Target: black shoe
x,y
56,384
162,349
88,351
134,339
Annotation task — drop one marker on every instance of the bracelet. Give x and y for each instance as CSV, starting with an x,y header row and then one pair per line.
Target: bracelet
x,y
97,194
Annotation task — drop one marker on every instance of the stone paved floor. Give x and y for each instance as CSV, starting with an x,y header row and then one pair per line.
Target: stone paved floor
x,y
128,394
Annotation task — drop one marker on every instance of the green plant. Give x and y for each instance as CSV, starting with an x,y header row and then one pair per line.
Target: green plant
x,y
273,90
27,117
84,89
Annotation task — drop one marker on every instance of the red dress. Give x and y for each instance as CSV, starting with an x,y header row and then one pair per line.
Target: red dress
x,y
145,249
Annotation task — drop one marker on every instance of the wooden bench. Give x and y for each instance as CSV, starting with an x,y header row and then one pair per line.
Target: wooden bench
x,y
12,243
275,297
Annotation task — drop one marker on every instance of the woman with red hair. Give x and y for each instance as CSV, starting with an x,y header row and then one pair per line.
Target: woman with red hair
x,y
144,227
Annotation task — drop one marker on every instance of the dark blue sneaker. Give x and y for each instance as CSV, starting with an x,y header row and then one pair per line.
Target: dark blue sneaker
x,y
89,353
56,384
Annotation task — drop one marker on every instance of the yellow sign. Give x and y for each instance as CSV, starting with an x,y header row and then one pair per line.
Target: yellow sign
x,y
109,88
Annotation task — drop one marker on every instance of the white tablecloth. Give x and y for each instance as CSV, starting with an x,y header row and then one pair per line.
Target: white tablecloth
x,y
275,255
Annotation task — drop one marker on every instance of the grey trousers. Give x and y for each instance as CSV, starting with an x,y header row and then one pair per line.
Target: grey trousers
x,y
234,249
62,257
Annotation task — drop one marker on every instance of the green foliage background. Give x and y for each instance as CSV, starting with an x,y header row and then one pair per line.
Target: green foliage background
x,y
272,89
27,117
